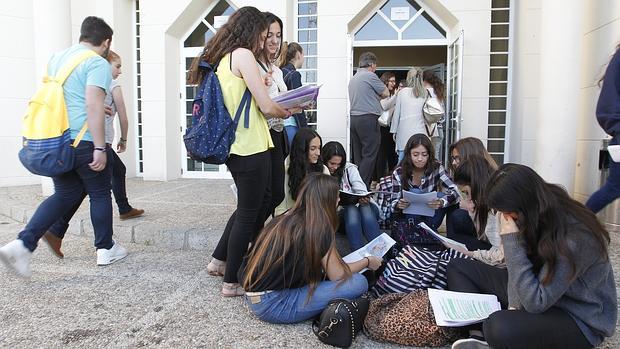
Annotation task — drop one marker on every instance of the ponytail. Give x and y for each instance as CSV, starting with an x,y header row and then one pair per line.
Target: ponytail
x,y
290,49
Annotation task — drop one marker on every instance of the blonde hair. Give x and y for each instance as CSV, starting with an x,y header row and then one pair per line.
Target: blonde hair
x,y
416,82
113,56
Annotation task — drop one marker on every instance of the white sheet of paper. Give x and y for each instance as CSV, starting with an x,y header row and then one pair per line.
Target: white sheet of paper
x,y
456,309
614,152
378,247
440,237
418,203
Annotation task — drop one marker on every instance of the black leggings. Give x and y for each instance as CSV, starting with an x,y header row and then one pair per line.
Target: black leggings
x,y
252,175
278,153
553,328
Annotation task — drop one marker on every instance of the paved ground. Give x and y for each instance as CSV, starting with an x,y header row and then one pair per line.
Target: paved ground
x,y
160,296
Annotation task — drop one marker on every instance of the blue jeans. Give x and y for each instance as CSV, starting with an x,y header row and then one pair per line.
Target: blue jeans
x,y
69,190
118,189
292,305
608,192
291,131
361,220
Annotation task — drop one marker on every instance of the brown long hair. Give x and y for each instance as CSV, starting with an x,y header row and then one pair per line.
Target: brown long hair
x,y
306,227
385,78
407,164
242,30
545,216
438,85
469,146
475,172
290,49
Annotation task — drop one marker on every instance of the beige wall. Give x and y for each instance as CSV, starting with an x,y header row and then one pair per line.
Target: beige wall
x,y
404,56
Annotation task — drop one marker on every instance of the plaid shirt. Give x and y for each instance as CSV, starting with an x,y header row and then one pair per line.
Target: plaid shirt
x,y
390,189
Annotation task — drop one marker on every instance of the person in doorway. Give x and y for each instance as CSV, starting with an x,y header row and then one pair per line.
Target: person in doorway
x,y
387,158
275,85
84,92
114,104
291,60
608,116
294,269
408,119
558,286
436,89
305,158
420,172
360,213
235,46
365,93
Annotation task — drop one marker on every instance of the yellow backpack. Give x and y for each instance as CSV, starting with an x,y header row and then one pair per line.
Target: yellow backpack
x,y
47,149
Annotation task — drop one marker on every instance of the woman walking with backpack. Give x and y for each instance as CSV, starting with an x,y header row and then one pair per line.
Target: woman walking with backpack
x,y
234,48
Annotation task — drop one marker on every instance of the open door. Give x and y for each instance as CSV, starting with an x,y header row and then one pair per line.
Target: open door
x,y
452,125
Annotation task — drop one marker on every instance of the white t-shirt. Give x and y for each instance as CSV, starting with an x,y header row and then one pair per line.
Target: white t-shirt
x,y
109,119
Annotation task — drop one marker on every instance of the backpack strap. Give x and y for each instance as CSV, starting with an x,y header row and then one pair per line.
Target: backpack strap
x,y
246,102
68,68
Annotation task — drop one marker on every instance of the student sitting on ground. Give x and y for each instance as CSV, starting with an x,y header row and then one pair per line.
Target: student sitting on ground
x,y
284,272
472,177
459,226
558,286
304,157
359,213
420,172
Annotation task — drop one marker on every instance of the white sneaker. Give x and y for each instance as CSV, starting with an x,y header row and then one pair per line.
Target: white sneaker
x,y
115,253
17,258
470,343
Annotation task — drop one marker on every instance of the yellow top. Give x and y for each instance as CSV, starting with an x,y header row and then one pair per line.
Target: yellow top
x,y
256,138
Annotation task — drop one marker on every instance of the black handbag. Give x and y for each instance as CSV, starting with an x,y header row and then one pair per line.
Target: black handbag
x,y
340,322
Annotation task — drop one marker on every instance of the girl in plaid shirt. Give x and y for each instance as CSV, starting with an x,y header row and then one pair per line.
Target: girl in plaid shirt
x,y
420,172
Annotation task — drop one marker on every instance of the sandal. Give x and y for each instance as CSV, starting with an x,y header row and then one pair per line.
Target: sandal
x,y
216,267
232,290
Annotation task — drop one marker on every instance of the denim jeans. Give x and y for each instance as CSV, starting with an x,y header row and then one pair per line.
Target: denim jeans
x,y
292,305
608,192
118,189
361,220
69,190
119,171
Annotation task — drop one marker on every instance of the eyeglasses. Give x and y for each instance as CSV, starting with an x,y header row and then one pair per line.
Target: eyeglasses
x,y
455,158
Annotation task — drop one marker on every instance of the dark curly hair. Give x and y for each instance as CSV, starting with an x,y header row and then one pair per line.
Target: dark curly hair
x,y
438,85
242,30
299,166
331,149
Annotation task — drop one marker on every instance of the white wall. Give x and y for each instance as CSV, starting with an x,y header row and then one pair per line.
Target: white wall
x,y
18,71
601,34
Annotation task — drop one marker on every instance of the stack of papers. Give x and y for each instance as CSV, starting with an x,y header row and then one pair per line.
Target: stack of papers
x,y
299,97
378,247
455,309
418,203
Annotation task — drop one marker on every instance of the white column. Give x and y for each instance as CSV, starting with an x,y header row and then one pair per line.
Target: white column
x,y
560,69
52,32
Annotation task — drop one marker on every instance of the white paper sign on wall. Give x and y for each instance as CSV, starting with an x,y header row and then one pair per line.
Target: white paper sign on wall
x,y
399,14
219,21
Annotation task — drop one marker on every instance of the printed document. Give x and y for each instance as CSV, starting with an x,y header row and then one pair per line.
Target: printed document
x,y
418,203
441,237
378,247
454,309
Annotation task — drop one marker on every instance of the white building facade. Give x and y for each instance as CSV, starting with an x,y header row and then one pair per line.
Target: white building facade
x,y
521,75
